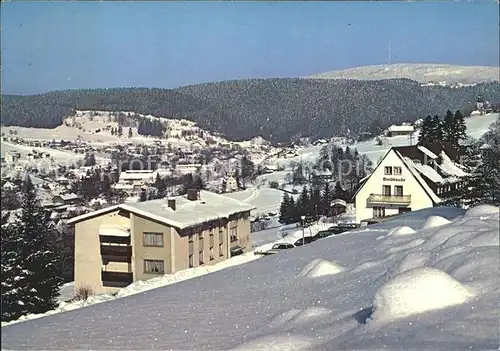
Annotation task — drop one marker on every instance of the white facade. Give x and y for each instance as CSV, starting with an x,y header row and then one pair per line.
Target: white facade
x,y
406,192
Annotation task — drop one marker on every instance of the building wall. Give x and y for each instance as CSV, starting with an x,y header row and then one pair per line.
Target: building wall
x,y
88,262
140,225
243,231
174,253
374,185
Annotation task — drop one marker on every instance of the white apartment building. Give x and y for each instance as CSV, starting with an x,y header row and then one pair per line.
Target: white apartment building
x,y
409,178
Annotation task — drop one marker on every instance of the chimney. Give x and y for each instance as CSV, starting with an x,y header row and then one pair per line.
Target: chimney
x,y
192,194
171,203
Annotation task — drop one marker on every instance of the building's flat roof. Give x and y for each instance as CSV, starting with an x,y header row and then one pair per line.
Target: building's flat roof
x,y
188,213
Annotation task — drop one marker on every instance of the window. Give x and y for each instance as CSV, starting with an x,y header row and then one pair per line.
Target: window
x,y
221,236
191,238
211,254
153,239
154,266
191,261
398,190
221,250
378,212
397,170
386,190
388,170
233,234
201,257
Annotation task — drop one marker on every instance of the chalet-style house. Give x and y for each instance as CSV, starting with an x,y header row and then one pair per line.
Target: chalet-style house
x,y
395,130
409,178
124,243
321,176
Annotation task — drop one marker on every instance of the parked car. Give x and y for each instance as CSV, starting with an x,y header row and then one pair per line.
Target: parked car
x,y
307,240
324,234
342,228
275,249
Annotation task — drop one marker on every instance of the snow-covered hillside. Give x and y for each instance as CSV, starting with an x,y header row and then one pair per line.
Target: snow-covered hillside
x,y
476,127
425,280
422,72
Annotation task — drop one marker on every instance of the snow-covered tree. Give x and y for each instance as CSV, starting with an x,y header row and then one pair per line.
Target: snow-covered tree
x,y
31,268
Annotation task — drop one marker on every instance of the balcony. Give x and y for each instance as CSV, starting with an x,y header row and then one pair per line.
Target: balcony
x,y
116,279
379,199
113,253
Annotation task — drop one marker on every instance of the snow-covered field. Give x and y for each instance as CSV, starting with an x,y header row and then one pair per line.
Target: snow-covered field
x,y
64,157
264,199
425,280
421,72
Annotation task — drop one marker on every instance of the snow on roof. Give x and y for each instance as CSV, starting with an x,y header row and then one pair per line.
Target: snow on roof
x,y
427,152
138,175
395,128
187,213
319,172
305,313
417,176
450,167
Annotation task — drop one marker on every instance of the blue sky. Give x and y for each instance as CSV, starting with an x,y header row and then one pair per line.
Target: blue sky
x,y
64,45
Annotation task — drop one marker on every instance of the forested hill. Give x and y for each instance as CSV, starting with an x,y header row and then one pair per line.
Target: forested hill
x,y
276,109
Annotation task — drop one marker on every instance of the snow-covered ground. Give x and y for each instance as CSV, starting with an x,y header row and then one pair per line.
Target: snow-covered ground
x,y
64,157
424,280
67,290
421,72
264,199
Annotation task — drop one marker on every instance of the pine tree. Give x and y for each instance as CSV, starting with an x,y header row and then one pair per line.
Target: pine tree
x,y
303,202
120,131
424,136
130,132
160,186
339,192
460,127
315,202
326,199
285,210
40,259
13,274
437,129
449,128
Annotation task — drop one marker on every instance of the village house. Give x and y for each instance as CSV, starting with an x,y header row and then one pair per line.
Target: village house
x,y
124,243
12,156
409,178
66,199
395,130
319,176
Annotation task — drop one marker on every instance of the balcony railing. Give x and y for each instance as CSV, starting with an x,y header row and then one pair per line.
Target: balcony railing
x,y
116,279
116,253
376,199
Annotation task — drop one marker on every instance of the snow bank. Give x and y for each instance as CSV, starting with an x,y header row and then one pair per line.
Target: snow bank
x,y
285,342
400,231
417,291
482,210
144,285
320,268
434,222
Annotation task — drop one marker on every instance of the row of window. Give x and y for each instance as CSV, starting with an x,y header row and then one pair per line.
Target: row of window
x,y
388,170
201,255
398,190
379,212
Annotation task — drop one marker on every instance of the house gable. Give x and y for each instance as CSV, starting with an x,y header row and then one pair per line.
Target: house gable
x,y
374,185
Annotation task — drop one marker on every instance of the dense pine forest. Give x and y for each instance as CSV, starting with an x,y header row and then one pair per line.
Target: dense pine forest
x,y
276,109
